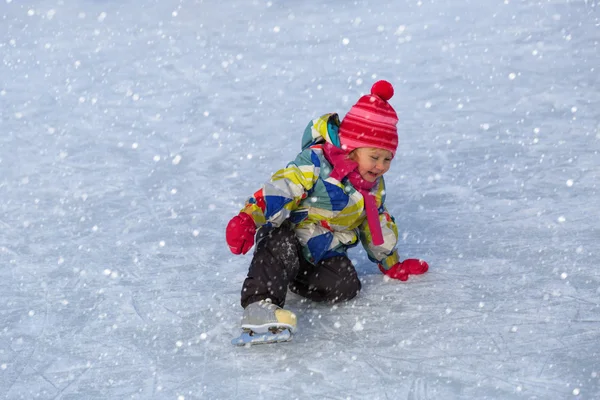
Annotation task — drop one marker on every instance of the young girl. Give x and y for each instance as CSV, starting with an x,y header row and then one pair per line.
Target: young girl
x,y
308,215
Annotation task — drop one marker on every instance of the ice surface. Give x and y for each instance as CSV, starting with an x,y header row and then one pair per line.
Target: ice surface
x,y
130,132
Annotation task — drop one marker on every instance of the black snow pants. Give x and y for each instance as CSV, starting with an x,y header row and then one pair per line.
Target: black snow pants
x,y
278,262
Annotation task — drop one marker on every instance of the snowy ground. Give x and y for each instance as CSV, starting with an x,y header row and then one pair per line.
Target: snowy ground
x,y
130,132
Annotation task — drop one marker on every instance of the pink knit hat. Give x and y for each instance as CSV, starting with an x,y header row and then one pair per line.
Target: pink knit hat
x,y
371,122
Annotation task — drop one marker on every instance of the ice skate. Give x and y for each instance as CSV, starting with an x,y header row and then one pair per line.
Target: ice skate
x,y
265,322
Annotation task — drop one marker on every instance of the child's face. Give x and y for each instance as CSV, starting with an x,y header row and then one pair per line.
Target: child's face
x,y
372,162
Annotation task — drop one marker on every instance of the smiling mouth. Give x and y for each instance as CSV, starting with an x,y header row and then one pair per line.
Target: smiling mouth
x,y
371,175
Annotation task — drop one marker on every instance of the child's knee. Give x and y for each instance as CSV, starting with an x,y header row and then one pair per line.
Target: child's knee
x,y
345,289
342,283
348,289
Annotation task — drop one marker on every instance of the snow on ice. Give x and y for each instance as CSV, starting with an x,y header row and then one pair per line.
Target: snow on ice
x,y
132,131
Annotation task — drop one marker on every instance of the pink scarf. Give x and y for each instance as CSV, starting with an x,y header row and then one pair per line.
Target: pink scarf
x,y
344,167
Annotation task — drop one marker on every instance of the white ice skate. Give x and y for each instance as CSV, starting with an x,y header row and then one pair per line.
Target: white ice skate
x,y
265,322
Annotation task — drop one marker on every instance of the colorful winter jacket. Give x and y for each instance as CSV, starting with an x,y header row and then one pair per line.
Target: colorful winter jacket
x,y
328,216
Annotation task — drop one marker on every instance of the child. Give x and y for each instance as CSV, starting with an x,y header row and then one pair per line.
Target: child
x,y
313,210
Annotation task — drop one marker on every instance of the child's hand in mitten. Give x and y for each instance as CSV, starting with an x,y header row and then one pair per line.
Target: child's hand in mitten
x,y
240,233
407,267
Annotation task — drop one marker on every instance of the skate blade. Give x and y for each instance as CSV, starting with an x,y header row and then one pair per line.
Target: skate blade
x,y
250,338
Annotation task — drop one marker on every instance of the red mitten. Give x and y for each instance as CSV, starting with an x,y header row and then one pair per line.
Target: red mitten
x,y
407,267
240,233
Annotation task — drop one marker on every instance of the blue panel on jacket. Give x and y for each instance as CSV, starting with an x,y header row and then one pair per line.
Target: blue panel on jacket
x,y
275,204
333,124
298,216
318,246
337,196
314,158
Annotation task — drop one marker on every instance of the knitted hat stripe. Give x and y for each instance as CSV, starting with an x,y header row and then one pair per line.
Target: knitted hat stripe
x,y
352,123
354,128
351,144
375,107
357,115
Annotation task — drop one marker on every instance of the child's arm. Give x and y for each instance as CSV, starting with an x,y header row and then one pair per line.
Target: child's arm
x,y
273,203
385,254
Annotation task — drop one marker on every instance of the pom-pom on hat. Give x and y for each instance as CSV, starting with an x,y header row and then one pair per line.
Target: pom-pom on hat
x,y
371,122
